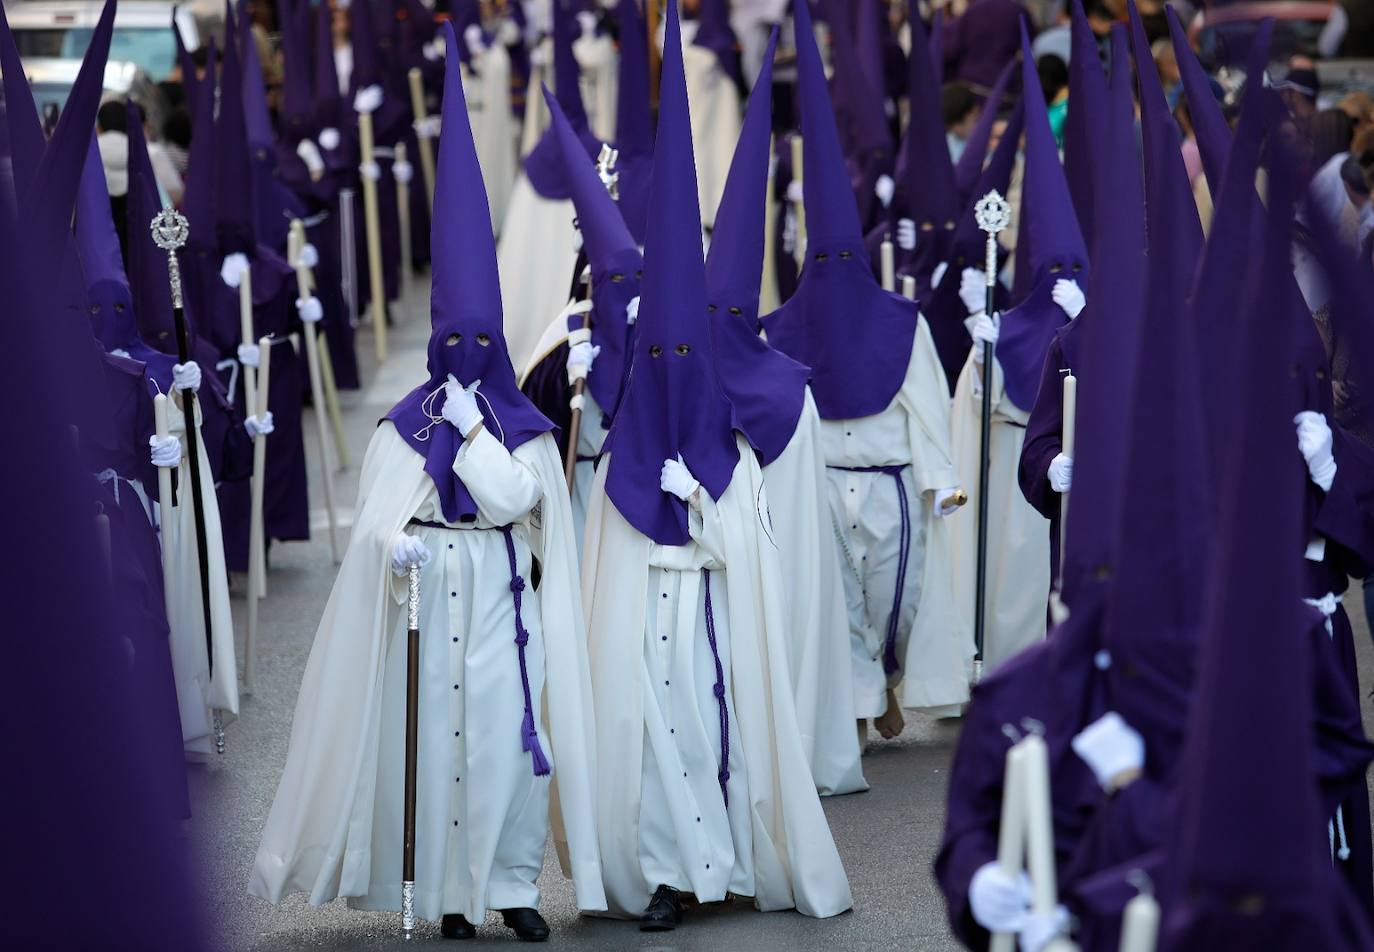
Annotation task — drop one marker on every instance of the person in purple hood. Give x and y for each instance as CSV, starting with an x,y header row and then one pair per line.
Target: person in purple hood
x,y
884,406
463,480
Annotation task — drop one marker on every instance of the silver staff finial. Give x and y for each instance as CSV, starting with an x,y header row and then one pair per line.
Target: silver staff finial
x,y
170,229
992,213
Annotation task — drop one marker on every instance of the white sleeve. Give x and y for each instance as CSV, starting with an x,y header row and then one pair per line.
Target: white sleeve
x,y
504,488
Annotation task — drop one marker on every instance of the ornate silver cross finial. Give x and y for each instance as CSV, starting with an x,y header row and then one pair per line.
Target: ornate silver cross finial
x,y
170,230
992,213
605,169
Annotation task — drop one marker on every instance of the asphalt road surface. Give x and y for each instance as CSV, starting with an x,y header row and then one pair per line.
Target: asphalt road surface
x,y
887,836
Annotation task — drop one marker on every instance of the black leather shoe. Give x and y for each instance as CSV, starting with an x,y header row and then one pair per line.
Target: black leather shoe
x,y
527,924
454,926
664,912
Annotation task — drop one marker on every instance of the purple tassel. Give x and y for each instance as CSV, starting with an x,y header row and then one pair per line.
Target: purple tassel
x,y
529,737
719,691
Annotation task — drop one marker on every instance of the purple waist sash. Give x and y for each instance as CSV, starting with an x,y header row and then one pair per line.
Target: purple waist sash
x,y
724,775
890,663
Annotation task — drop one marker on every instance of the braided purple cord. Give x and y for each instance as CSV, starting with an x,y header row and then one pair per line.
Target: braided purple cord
x,y
890,663
529,736
724,775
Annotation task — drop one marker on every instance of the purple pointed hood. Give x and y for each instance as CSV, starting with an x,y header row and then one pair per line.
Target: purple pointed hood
x,y
1157,123
188,66
970,165
235,222
544,165
25,128
257,118
766,387
935,46
1087,99
1247,862
147,263
324,78
1209,125
466,340
1053,242
942,307
931,193
856,88
715,34
634,121
107,287
1100,345
200,201
855,337
1231,251
614,257
673,405
1165,528
297,93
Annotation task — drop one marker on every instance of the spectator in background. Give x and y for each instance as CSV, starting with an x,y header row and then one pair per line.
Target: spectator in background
x,y
111,127
1056,38
1330,133
978,44
1340,188
169,176
960,109
1054,80
1299,90
1359,106
176,139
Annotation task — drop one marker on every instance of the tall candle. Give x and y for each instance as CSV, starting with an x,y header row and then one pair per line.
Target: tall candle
x,y
1070,412
889,268
1140,924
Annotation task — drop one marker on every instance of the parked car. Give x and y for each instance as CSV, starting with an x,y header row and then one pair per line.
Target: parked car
x,y
142,31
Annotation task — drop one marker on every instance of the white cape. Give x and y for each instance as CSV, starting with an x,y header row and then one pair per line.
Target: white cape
x,y
818,623
716,121
795,859
198,692
535,257
494,130
939,655
1018,576
318,834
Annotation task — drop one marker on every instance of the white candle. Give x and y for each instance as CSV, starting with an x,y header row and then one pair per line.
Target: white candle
x,y
1140,924
909,287
1070,412
1011,834
1039,826
889,268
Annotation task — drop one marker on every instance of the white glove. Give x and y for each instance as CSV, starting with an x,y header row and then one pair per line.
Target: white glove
x,y
1069,296
310,309
985,331
329,139
403,172
308,257
677,479
460,405
906,234
973,290
250,355
406,551
472,36
309,153
938,274
166,451
885,188
1061,473
260,425
1110,747
943,507
186,376
1000,902
796,194
1038,931
587,21
428,127
1315,442
367,99
232,268
632,310
433,50
508,34
580,358
370,171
